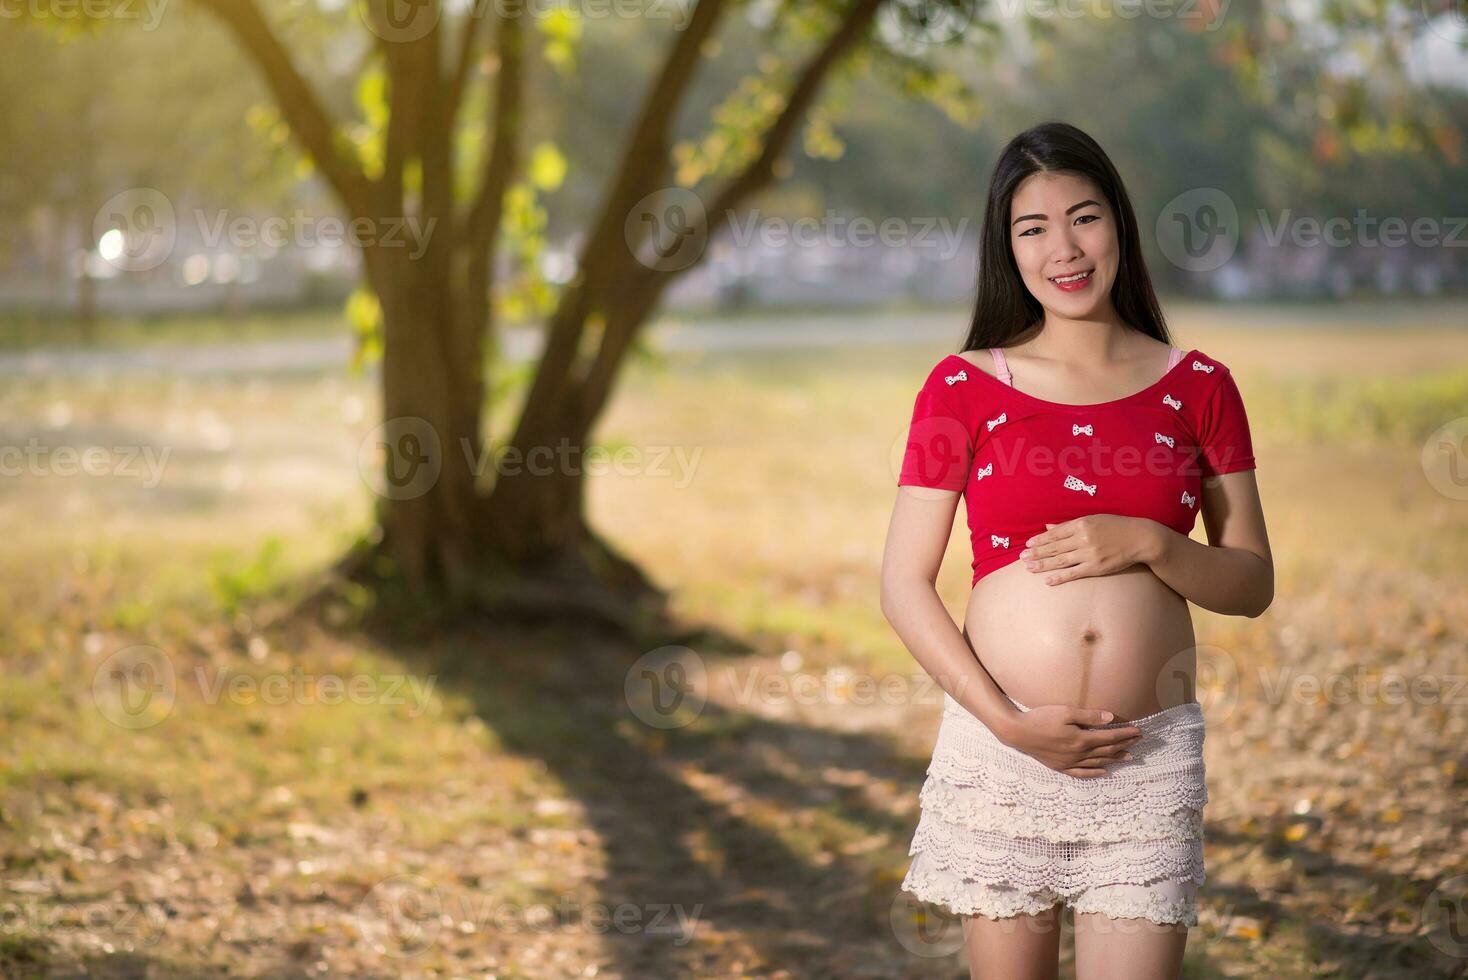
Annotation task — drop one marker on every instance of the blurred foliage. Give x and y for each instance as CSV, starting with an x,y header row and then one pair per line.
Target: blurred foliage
x,y
1357,410
234,583
1279,111
1226,99
364,315
371,97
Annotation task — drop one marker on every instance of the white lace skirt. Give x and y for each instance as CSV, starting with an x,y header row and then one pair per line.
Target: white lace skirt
x,y
1002,834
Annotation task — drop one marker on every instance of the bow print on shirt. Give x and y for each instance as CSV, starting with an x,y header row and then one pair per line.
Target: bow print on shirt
x,y
1003,417
995,541
1167,439
1169,400
1076,430
1074,483
962,375
1189,499
984,470
1200,366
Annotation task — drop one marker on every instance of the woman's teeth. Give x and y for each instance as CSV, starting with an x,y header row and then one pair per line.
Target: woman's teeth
x,y
1073,283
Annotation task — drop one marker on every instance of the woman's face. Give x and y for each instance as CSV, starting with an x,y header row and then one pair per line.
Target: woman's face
x,y
1061,225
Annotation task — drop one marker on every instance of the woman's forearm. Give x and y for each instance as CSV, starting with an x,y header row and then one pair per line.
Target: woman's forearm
x,y
1229,581
920,619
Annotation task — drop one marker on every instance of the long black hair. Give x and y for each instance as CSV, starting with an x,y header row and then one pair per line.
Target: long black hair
x,y
1004,308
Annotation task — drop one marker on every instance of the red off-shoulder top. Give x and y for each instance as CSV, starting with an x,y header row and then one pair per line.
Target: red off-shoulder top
x,y
1022,461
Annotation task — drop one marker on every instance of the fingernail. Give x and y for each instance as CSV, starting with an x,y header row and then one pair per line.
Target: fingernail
x,y
1126,755
1029,564
1025,553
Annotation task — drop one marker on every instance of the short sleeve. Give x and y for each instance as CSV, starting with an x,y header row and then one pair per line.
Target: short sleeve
x,y
1224,443
939,439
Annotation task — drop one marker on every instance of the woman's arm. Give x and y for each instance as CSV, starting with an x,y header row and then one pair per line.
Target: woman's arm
x,y
922,521
1234,573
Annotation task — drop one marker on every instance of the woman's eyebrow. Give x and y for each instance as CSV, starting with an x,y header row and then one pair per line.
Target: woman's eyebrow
x,y
1041,217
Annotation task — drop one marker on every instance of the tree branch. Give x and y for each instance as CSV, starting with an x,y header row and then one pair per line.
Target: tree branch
x,y
297,100
483,219
456,82
643,162
638,291
645,157
761,169
479,227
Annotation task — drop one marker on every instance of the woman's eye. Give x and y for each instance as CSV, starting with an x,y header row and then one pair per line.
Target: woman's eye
x,y
1083,219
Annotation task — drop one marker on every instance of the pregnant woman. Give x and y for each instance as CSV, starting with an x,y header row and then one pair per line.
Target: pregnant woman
x,y
1068,768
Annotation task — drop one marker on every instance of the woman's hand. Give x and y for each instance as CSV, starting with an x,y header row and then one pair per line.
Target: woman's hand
x,y
1054,734
1097,544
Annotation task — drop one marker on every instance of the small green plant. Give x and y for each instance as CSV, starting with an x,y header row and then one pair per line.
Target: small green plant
x,y
233,583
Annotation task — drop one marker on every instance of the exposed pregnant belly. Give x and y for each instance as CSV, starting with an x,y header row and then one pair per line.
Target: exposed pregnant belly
x,y
1123,642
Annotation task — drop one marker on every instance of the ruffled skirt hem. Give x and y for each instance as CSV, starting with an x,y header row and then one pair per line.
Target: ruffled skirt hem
x,y
1165,902
1001,834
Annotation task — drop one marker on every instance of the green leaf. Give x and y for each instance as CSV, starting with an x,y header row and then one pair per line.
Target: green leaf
x,y
562,29
547,167
364,313
369,137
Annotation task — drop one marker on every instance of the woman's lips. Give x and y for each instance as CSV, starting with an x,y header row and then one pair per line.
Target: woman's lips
x,y
1074,284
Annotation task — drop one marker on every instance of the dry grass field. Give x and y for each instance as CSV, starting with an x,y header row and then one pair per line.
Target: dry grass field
x,y
303,798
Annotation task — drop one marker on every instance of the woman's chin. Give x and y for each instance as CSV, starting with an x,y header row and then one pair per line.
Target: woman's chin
x,y
1075,308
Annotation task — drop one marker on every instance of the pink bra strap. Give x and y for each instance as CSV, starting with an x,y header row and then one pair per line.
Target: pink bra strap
x,y
1175,355
1001,366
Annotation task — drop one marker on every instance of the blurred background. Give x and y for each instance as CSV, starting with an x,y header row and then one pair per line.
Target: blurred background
x,y
446,449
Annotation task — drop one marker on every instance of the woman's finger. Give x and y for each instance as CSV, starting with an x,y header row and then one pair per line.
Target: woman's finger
x,y
1108,738
1084,773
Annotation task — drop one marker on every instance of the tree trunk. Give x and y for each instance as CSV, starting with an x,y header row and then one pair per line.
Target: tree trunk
x,y
435,530
430,437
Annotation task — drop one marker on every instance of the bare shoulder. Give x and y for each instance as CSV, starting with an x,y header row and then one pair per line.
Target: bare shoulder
x,y
1148,349
980,359
1149,352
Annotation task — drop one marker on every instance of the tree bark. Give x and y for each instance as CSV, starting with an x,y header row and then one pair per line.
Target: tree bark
x,y
428,506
